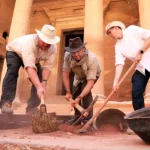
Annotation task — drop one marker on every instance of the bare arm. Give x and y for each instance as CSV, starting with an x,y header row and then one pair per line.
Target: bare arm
x,y
46,74
35,80
66,81
34,77
87,88
118,72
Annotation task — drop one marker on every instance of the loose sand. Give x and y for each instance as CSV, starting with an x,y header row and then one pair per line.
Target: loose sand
x,y
109,138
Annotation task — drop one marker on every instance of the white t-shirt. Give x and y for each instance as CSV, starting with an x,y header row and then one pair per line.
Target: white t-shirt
x,y
133,40
27,49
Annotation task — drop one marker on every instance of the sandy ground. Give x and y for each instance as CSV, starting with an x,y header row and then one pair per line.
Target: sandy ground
x,y
25,139
67,139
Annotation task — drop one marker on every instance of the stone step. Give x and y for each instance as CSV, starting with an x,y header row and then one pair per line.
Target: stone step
x,y
66,109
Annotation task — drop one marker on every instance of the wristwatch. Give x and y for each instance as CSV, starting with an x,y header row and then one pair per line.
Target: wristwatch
x,y
141,51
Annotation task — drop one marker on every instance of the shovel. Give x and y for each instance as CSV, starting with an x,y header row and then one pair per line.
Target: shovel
x,y
44,122
87,125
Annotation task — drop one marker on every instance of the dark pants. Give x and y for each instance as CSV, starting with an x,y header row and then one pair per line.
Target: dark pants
x,y
139,82
86,101
14,63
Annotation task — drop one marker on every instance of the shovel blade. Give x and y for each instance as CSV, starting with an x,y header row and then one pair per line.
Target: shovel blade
x,y
44,123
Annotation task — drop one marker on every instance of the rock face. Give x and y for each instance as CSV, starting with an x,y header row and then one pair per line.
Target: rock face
x,y
44,123
68,15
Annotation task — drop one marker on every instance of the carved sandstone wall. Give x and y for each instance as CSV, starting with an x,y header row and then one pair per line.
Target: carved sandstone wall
x,y
68,15
6,11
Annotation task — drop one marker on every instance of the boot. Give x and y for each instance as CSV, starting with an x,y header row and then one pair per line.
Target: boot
x,y
6,108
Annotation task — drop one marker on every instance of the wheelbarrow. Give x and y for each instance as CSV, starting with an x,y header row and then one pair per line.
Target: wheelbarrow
x,y
139,122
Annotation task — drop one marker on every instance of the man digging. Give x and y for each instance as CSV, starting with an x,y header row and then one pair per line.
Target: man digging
x,y
132,43
86,68
27,51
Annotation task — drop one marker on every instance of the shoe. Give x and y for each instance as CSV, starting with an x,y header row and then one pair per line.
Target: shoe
x,y
33,111
130,132
6,108
73,121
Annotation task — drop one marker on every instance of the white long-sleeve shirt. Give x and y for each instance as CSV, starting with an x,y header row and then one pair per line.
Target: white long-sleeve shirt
x,y
27,49
133,39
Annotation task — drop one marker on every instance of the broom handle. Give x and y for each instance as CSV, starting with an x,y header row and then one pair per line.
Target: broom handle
x,y
42,99
86,126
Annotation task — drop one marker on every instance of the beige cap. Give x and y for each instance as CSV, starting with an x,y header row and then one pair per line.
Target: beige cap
x,y
114,24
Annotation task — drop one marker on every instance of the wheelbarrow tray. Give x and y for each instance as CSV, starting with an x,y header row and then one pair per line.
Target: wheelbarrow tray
x,y
112,116
139,122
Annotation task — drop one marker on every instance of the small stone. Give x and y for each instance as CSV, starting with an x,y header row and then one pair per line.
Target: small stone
x,y
69,134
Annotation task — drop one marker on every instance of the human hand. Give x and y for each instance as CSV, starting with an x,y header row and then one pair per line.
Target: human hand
x,y
68,96
138,57
115,86
76,101
40,91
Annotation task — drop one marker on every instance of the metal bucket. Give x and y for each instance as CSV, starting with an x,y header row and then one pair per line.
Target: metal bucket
x,y
113,117
139,122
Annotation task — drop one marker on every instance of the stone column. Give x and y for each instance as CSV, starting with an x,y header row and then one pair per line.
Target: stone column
x,y
145,23
19,27
93,34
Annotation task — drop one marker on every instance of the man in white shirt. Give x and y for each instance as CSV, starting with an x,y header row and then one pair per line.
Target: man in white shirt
x,y
27,51
132,43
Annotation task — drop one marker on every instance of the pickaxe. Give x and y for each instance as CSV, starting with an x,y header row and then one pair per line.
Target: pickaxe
x,y
87,110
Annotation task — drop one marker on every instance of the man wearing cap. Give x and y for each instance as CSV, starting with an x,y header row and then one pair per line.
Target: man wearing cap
x,y
132,43
86,70
27,51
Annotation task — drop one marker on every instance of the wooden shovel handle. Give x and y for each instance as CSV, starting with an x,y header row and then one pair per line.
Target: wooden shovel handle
x,y
77,106
127,73
86,126
42,99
